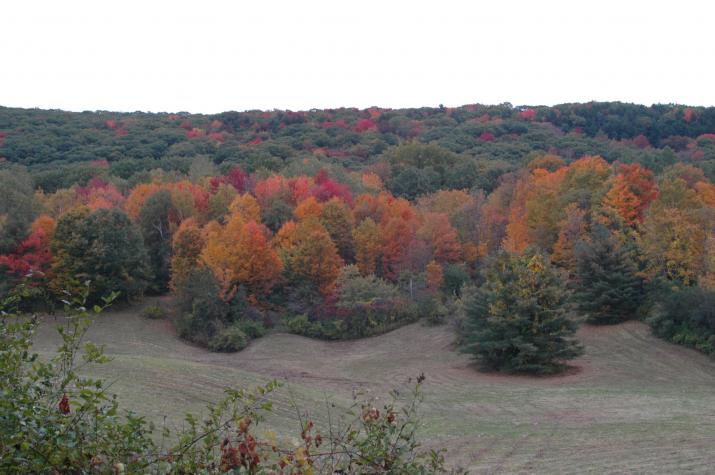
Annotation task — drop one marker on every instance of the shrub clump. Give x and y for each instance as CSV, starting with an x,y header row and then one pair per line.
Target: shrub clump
x,y
686,316
431,309
229,339
363,306
154,312
208,320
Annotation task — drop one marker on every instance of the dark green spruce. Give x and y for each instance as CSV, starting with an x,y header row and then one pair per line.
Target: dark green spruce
x,y
608,288
519,319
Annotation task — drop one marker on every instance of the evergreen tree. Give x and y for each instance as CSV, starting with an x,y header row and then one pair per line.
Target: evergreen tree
x,y
608,289
518,320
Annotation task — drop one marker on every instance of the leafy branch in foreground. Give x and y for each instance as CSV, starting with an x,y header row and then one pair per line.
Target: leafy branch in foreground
x,y
55,420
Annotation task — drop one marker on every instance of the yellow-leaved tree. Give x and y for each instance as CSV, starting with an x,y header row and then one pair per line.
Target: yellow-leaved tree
x,y
239,253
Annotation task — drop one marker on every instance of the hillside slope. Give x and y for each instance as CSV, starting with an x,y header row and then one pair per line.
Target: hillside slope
x,y
63,148
635,404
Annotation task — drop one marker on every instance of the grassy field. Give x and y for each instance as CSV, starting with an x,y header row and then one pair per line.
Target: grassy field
x,y
635,404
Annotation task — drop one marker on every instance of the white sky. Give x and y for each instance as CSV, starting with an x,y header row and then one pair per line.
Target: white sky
x,y
212,56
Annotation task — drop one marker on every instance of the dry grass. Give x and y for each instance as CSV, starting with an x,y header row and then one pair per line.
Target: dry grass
x,y
635,404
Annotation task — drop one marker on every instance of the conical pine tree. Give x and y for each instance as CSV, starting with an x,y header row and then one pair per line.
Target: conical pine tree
x,y
608,288
519,319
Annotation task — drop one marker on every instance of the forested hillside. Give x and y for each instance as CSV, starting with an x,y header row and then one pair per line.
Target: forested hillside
x,y
346,223
486,140
513,225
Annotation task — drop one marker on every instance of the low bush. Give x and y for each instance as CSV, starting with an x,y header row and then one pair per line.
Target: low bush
x,y
251,328
154,312
229,339
432,310
687,317
369,321
364,306
206,320
325,330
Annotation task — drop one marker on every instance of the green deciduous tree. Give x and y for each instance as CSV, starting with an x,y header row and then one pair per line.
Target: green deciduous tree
x,y
411,182
17,208
104,247
339,221
156,228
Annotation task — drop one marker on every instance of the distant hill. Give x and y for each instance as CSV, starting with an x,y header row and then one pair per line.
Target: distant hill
x,y
62,148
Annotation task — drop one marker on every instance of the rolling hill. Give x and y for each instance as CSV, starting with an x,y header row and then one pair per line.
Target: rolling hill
x,y
632,404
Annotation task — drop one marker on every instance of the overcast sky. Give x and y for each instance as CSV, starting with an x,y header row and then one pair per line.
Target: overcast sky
x,y
211,56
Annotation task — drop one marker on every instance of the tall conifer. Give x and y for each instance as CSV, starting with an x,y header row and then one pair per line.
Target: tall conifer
x,y
608,288
519,319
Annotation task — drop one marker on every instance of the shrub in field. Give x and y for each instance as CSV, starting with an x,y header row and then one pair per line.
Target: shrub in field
x,y
200,306
364,302
687,317
251,328
431,309
326,330
228,339
519,319
154,312
363,306
209,321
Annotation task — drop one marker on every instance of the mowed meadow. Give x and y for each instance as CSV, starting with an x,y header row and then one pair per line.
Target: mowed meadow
x,y
631,404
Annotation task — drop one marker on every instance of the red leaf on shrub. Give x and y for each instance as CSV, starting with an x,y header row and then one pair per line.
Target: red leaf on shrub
x,y
64,405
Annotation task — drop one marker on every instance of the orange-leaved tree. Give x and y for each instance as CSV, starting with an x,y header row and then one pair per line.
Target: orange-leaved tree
x,y
632,190
338,220
239,253
437,231
137,197
309,254
247,207
367,246
572,229
187,244
434,276
308,208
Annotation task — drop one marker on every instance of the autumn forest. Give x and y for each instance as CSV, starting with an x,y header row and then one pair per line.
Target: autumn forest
x,y
511,226
345,223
